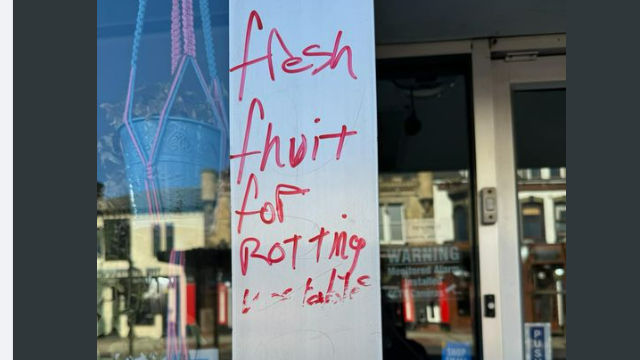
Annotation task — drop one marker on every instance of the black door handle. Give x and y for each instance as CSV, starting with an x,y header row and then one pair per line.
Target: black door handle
x,y
490,305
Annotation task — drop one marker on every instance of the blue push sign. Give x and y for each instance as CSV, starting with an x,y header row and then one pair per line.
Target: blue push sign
x,y
538,341
456,351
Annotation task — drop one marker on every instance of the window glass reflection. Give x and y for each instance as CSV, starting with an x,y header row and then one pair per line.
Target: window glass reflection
x,y
425,206
540,133
163,217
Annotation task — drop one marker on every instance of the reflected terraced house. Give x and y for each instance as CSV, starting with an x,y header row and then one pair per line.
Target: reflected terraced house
x,y
133,276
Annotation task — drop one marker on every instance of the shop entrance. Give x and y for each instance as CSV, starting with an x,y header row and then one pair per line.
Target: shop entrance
x,y
472,161
530,119
428,250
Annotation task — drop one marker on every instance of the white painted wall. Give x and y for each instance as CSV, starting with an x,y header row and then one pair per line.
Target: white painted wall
x,y
443,215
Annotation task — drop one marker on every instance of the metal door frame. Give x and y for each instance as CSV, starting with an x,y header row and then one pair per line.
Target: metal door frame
x,y
514,71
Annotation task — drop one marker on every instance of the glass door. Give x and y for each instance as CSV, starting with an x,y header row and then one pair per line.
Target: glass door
x,y
529,96
427,238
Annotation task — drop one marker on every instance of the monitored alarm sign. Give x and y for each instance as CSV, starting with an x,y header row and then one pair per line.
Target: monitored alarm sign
x,y
305,249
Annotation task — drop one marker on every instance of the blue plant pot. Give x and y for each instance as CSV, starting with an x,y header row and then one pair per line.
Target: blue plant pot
x,y
186,148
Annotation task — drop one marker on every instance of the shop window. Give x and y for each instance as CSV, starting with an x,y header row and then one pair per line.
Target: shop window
x,y
116,239
541,114
561,221
391,223
424,189
533,221
170,236
190,176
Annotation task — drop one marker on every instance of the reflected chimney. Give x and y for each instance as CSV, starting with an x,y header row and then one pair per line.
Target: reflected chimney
x,y
209,185
209,196
425,187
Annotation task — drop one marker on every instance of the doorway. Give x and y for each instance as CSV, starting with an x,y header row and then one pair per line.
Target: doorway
x,y
427,238
518,257
529,96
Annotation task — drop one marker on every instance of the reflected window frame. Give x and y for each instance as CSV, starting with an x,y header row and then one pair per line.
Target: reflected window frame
x,y
536,204
117,239
560,218
169,235
156,234
386,224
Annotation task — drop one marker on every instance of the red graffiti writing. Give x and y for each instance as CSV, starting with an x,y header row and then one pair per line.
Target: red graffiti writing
x,y
262,143
296,154
291,64
333,295
250,249
268,212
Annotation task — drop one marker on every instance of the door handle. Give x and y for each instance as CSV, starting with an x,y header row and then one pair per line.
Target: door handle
x,y
490,306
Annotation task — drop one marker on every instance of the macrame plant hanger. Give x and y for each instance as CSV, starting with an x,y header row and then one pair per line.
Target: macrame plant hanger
x,y
183,54
176,338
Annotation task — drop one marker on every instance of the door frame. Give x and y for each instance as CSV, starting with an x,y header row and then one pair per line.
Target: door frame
x,y
498,66
509,73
